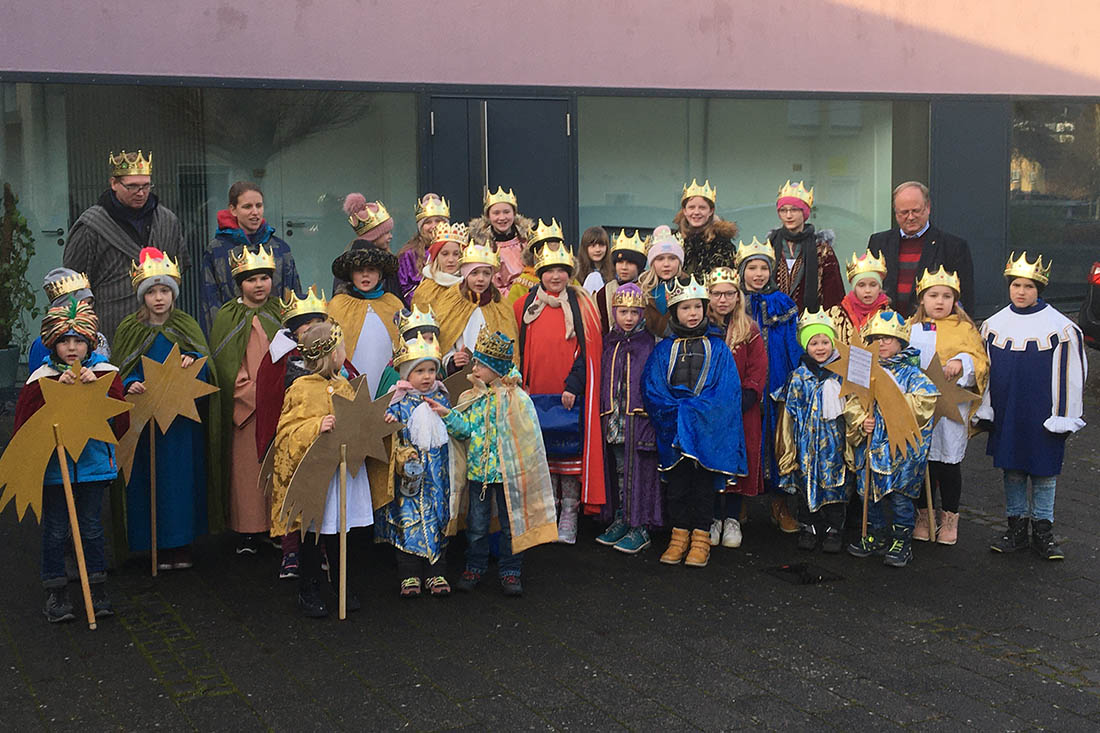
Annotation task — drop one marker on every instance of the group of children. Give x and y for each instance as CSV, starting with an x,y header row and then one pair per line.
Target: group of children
x,y
648,397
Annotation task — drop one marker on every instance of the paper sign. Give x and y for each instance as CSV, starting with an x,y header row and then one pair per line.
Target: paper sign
x,y
923,340
859,367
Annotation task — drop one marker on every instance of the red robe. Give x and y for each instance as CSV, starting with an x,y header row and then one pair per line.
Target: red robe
x,y
752,366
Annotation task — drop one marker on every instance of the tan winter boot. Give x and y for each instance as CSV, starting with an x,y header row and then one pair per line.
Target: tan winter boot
x,y
948,531
678,546
699,554
921,530
781,516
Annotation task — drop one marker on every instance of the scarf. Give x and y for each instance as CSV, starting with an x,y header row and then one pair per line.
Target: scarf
x,y
543,299
375,294
660,296
135,222
504,236
858,311
805,263
230,230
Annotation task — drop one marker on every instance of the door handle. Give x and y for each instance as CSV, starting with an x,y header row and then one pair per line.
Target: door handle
x,y
59,232
295,224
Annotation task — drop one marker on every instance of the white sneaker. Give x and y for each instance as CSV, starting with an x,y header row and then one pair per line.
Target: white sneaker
x,y
731,533
715,532
567,530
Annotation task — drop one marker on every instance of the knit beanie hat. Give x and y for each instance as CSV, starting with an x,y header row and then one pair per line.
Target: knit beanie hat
x,y
664,243
162,278
793,201
807,333
58,292
357,204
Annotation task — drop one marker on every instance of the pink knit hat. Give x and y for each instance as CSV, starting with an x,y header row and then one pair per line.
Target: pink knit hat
x,y
664,243
793,201
356,203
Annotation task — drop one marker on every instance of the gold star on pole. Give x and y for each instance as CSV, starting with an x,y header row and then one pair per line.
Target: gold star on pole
x,y
82,410
951,394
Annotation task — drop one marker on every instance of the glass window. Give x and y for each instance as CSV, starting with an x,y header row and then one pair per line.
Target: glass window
x,y
1054,199
636,153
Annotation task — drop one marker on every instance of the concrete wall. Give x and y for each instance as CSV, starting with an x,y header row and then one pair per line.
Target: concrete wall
x,y
933,46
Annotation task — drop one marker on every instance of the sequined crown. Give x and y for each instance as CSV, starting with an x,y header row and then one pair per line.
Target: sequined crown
x,y
130,164
755,248
820,317
447,232
939,277
365,219
245,260
1031,270
434,206
500,197
66,285
320,348
887,323
479,254
494,344
864,264
797,191
633,243
679,292
545,232
723,276
632,298
416,318
550,257
706,191
293,306
153,266
416,349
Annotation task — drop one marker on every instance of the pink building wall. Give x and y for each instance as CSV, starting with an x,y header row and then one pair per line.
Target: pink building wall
x,y
890,46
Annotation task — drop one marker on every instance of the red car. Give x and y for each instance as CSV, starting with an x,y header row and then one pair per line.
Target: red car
x,y
1089,318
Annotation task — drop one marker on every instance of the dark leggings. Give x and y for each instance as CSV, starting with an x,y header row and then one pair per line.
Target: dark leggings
x,y
309,564
415,566
690,495
947,477
727,506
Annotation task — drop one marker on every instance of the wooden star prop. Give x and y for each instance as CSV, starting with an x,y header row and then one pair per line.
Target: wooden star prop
x,y
170,392
82,410
361,427
458,382
901,425
951,394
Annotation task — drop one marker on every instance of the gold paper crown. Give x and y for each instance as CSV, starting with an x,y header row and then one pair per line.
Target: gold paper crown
x,y
500,197
66,285
432,207
756,247
628,299
939,277
723,275
633,243
694,289
416,318
797,191
479,254
243,260
1031,270
887,323
293,306
153,267
706,191
494,344
416,350
864,264
130,164
364,220
819,317
550,257
322,347
447,232
543,232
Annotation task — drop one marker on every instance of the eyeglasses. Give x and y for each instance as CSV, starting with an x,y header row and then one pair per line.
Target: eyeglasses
x,y
724,295
137,187
786,210
906,213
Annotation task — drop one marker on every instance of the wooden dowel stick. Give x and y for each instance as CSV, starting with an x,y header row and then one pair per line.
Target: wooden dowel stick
x,y
78,545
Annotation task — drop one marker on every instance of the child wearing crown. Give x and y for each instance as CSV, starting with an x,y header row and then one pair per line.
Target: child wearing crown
x,y
865,275
560,349
441,270
665,259
541,236
808,270
941,326
373,227
415,520
505,466
471,305
727,313
431,211
241,335
59,283
776,317
69,331
896,479
308,412
707,239
631,453
503,228
366,311
183,499
811,445
692,393
1037,370
628,260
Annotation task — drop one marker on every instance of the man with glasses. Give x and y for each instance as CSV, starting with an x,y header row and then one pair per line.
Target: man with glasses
x,y
108,237
916,246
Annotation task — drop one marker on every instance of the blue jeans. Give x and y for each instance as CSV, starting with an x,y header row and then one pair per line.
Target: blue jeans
x,y
55,531
1041,505
477,531
902,506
